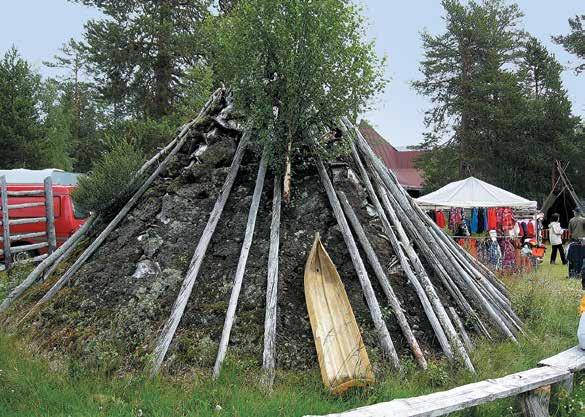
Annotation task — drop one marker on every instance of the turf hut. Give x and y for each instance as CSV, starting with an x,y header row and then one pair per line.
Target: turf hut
x,y
206,261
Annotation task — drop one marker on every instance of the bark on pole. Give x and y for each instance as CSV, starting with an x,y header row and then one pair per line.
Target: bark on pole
x,y
383,279
241,268
269,353
380,325
47,262
181,302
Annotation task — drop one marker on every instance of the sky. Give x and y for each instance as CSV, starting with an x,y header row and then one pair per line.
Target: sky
x,y
38,28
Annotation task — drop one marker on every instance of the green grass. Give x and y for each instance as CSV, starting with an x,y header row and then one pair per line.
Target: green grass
x,y
32,385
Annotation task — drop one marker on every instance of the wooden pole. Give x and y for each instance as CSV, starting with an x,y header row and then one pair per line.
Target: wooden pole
x,y
287,175
437,252
241,268
269,353
457,320
172,323
399,250
375,311
5,222
50,215
426,282
106,232
536,403
53,259
383,280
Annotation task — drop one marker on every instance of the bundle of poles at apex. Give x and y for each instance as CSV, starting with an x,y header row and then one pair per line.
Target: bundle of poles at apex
x,y
431,259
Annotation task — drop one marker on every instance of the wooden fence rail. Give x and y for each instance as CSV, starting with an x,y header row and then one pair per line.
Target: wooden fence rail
x,y
533,387
11,243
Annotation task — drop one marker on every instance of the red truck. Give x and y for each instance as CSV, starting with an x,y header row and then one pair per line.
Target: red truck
x,y
67,218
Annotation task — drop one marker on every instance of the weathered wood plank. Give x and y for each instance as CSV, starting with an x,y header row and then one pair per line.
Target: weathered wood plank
x,y
460,398
269,353
22,236
30,193
535,403
5,222
50,215
25,248
373,305
241,268
178,308
25,205
28,220
50,260
572,360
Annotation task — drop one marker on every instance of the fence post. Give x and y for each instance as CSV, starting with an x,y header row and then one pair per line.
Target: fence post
x,y
5,222
535,403
50,215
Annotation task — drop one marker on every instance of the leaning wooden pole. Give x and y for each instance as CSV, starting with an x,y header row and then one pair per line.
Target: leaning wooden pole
x,y
178,309
404,259
376,313
383,280
46,263
241,268
437,251
65,278
269,353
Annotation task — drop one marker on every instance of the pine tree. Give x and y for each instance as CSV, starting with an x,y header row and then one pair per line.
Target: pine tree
x,y
574,42
467,79
19,121
139,54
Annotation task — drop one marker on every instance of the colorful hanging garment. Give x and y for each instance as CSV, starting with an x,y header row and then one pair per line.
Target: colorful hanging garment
x,y
440,219
492,219
508,255
481,220
531,229
508,220
455,219
494,255
473,224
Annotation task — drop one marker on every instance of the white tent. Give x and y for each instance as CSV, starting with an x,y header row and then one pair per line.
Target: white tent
x,y
472,192
37,176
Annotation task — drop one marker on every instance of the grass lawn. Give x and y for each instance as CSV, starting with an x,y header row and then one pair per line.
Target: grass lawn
x,y
31,385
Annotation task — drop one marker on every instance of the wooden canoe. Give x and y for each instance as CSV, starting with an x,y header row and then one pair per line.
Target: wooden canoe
x,y
342,355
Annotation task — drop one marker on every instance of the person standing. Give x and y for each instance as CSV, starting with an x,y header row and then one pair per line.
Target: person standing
x,y
577,225
555,234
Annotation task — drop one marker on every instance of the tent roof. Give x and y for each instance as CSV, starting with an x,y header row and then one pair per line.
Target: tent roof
x,y
37,176
472,192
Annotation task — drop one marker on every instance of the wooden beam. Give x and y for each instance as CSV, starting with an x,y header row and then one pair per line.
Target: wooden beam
x,y
269,353
572,360
373,305
241,268
30,193
25,205
178,308
5,222
460,398
50,215
535,403
26,248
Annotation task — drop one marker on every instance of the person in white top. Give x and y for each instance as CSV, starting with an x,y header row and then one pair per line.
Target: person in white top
x,y
555,235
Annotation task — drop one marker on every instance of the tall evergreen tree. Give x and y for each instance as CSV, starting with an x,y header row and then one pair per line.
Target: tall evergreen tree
x,y
19,121
574,42
140,52
466,76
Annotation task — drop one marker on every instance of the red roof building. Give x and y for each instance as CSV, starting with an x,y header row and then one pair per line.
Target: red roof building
x,y
399,162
